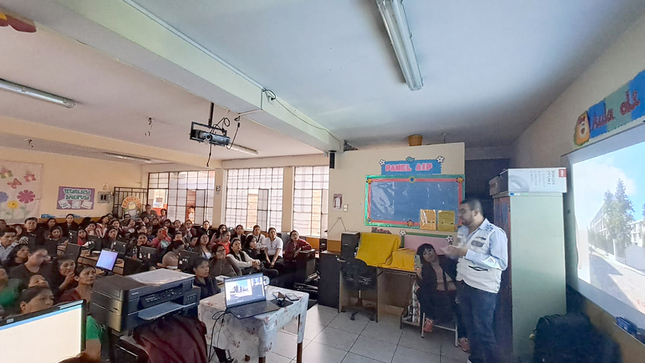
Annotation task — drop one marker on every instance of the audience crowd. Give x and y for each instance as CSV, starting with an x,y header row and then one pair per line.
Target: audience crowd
x,y
35,274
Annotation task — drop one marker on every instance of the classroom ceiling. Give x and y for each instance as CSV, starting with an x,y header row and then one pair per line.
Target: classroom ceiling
x,y
490,68
115,100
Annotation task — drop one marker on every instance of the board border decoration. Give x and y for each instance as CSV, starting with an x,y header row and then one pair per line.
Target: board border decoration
x,y
455,178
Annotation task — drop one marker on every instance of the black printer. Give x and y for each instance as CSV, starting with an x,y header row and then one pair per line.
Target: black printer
x,y
126,302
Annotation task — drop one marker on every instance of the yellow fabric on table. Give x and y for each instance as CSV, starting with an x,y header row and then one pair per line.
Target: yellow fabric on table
x,y
402,259
376,248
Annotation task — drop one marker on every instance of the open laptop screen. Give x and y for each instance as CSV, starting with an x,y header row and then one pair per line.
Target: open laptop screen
x,y
244,290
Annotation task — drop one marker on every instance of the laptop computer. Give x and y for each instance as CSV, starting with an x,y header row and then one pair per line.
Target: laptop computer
x,y
245,296
121,247
73,251
149,255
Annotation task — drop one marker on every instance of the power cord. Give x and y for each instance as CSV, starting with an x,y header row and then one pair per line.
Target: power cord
x,y
210,346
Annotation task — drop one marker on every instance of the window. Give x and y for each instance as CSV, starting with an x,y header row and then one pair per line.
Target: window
x,y
254,196
310,200
185,194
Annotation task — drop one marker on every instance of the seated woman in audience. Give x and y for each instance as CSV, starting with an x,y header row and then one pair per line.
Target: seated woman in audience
x,y
91,229
203,249
253,250
102,226
217,236
129,231
146,221
220,265
205,228
171,258
163,215
260,239
57,235
239,232
18,228
116,224
35,299
168,225
35,262
69,225
204,280
188,230
225,240
110,236
38,280
9,291
240,259
193,244
49,226
274,250
436,290
82,237
17,256
84,223
155,224
162,240
3,224
62,276
135,251
294,246
177,226
85,277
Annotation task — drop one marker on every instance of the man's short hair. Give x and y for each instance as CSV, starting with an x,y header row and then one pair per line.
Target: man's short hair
x,y
33,248
473,204
31,219
148,205
257,226
272,228
7,230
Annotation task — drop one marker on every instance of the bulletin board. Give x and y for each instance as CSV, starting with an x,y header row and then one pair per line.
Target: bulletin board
x,y
397,201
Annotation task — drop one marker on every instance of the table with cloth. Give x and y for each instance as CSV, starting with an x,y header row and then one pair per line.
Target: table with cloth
x,y
254,335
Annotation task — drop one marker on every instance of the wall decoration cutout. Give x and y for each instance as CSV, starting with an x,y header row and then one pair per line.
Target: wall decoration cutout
x,y
411,166
624,106
398,201
20,191
75,198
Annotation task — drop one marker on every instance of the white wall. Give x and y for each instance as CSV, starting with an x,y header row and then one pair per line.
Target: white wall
x,y
348,179
551,135
65,170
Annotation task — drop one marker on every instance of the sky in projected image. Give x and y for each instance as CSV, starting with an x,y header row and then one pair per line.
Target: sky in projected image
x,y
593,177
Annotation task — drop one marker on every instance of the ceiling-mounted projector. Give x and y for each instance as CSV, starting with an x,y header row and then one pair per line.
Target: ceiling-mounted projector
x,y
211,134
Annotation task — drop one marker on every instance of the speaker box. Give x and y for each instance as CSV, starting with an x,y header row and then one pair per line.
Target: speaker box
x,y
332,160
349,244
322,244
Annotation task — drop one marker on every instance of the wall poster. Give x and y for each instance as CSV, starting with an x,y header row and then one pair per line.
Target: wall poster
x,y
20,191
75,198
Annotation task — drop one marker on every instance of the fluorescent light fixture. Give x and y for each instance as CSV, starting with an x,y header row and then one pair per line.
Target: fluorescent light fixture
x,y
127,157
243,149
396,23
32,92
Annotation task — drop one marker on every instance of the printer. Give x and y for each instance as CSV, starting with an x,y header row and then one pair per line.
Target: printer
x,y
126,302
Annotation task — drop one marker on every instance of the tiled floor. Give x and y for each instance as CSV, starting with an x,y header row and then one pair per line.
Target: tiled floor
x,y
334,338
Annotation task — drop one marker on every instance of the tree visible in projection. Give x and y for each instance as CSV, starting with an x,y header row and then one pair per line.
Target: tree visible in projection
x,y
619,214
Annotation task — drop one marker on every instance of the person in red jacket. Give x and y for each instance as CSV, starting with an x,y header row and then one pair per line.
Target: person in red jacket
x,y
294,246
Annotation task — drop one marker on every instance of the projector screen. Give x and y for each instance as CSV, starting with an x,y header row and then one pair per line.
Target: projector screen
x,y
605,209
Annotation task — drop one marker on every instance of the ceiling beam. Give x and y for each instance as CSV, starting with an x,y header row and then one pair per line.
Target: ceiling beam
x,y
128,33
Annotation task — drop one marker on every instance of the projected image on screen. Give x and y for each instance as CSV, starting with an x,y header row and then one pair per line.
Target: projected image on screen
x,y
609,209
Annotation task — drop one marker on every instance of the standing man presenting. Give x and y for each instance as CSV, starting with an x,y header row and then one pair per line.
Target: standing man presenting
x,y
482,249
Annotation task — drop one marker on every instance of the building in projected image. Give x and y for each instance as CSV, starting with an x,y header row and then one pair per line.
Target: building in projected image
x,y
637,232
599,233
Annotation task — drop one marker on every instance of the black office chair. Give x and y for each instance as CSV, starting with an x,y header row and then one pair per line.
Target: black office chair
x,y
359,277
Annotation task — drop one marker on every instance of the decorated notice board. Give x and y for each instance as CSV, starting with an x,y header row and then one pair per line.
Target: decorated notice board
x,y
20,191
413,194
623,108
75,198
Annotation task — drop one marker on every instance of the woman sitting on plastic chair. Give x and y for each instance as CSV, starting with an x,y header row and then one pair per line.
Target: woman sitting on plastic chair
x,y
436,290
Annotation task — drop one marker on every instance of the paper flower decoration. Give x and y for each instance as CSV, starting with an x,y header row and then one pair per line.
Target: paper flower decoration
x,y
4,197
402,232
410,223
381,162
440,159
410,159
460,180
26,196
412,179
13,204
450,239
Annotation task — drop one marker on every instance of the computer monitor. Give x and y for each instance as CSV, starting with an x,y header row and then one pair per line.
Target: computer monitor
x,y
18,334
244,290
149,255
187,260
121,247
72,250
107,260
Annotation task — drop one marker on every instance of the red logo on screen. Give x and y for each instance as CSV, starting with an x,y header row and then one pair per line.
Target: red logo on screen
x,y
562,173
